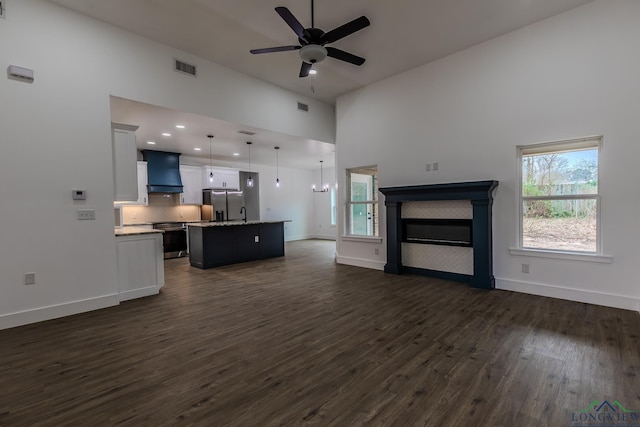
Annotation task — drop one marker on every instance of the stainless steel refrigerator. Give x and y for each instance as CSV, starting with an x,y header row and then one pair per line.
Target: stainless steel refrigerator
x,y
222,205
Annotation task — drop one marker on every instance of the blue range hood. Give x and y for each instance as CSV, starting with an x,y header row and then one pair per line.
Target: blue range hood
x,y
163,171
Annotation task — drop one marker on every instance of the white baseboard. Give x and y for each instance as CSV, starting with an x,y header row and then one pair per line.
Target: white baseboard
x,y
571,294
139,293
358,262
26,317
323,237
299,237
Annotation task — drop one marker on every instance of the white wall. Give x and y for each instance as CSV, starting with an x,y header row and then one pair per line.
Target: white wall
x,y
56,137
569,76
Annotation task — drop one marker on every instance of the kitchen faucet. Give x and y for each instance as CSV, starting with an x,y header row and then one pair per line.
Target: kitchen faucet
x,y
245,213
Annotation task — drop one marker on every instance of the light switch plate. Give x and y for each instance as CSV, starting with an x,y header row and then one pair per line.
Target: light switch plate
x,y
257,239
86,214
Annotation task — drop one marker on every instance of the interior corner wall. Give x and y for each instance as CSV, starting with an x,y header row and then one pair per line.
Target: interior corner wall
x,y
56,137
572,75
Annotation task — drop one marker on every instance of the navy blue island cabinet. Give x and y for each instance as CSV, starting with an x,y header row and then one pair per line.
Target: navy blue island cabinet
x,y
212,244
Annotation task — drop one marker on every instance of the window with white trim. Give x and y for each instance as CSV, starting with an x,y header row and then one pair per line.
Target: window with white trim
x,y
559,196
362,201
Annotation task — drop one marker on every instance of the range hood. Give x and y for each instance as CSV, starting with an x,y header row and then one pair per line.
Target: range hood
x,y
163,171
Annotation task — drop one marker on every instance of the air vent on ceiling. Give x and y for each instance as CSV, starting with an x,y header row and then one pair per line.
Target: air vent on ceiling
x,y
246,132
183,67
303,107
3,13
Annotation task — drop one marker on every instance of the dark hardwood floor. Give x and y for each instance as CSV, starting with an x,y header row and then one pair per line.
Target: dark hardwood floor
x,y
300,340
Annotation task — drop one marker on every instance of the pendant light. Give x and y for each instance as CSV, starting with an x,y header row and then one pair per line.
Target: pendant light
x,y
210,159
277,168
325,187
250,179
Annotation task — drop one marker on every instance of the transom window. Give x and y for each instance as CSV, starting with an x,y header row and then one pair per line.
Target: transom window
x,y
362,201
559,196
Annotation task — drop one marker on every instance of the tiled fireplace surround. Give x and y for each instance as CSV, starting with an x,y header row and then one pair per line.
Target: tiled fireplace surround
x,y
442,201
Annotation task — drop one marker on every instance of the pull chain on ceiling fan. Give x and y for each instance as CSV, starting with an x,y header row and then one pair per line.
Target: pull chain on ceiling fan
x,y
313,40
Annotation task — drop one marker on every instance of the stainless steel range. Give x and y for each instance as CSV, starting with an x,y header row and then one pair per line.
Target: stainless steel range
x,y
174,239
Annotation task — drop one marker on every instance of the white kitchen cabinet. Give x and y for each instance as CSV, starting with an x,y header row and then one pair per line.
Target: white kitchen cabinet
x,y
143,192
192,185
223,178
124,163
140,265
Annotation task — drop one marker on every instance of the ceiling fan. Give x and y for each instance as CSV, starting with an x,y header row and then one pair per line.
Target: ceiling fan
x,y
313,40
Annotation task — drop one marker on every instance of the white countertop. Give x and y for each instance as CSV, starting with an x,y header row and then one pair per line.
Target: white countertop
x,y
130,231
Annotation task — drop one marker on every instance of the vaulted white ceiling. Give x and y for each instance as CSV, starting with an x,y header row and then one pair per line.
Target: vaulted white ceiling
x,y
403,34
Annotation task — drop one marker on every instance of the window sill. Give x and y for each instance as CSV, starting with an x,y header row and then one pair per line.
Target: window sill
x,y
367,239
571,256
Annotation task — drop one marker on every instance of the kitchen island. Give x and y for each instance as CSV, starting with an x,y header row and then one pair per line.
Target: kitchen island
x,y
212,244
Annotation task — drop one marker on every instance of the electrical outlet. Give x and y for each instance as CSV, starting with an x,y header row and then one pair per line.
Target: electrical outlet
x,y
86,214
525,268
30,278
435,166
377,251
257,239
428,167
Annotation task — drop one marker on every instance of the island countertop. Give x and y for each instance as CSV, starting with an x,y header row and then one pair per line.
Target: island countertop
x,y
235,223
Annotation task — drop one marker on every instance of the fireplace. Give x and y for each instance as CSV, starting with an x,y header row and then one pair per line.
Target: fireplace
x,y
448,232
475,234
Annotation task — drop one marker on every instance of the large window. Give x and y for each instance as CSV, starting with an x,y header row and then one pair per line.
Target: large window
x,y
559,196
362,201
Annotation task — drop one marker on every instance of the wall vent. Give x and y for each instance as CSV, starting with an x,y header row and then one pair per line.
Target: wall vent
x,y
3,12
246,132
303,107
183,67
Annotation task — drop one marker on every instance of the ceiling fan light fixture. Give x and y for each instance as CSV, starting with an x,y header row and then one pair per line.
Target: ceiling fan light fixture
x,y
313,53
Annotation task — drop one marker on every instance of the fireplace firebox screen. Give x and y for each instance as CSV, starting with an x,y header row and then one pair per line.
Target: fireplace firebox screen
x,y
450,232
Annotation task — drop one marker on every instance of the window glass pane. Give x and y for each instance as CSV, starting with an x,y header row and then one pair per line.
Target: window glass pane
x,y
561,173
560,225
363,184
333,206
364,220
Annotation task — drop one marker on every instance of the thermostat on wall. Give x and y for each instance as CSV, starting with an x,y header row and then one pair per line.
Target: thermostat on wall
x,y
79,194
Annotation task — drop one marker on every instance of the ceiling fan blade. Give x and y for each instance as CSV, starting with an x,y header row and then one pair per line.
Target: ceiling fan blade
x,y
346,29
344,56
274,49
305,68
291,20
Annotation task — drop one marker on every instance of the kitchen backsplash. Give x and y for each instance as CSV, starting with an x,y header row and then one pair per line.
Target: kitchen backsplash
x,y
162,208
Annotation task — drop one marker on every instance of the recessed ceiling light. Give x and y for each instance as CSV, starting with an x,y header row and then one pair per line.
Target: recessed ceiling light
x,y
166,134
236,154
198,149
180,126
151,142
313,72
